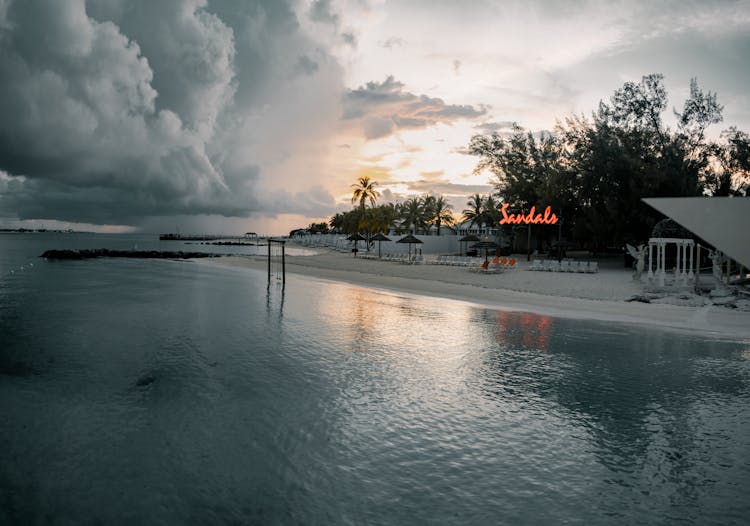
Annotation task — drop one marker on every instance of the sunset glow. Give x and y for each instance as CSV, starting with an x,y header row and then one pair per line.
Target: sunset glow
x,y
222,116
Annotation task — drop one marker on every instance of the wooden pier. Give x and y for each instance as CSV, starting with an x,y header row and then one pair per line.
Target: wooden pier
x,y
249,238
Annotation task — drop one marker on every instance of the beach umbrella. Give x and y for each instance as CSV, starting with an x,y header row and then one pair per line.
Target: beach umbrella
x,y
486,243
466,239
411,240
356,237
380,237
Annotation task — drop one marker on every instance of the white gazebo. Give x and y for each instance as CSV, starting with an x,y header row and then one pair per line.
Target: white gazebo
x,y
683,270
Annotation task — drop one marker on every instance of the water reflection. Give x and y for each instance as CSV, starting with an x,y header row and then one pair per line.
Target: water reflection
x,y
275,292
644,400
327,403
524,329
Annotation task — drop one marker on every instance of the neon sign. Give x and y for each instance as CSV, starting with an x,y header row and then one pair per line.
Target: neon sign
x,y
532,218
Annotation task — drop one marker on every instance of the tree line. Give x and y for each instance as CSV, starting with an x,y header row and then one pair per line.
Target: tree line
x,y
594,171
417,214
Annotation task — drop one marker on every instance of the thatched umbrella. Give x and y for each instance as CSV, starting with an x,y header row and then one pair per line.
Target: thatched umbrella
x,y
466,239
486,243
411,240
380,237
356,237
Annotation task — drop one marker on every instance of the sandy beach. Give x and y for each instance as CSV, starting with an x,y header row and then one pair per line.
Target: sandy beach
x,y
599,296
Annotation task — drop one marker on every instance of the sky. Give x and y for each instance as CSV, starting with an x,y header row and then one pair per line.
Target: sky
x,y
228,116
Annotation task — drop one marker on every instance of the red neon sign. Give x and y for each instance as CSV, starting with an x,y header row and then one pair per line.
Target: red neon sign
x,y
532,218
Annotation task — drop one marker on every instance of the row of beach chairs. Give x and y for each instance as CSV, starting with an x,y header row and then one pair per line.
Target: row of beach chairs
x,y
497,264
414,259
566,265
458,261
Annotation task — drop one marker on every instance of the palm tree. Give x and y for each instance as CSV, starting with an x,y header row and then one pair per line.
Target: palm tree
x,y
337,222
364,190
412,213
440,212
475,212
381,218
491,211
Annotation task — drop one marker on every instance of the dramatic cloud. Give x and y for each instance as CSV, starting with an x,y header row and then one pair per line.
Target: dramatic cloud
x,y
146,112
384,108
321,11
114,110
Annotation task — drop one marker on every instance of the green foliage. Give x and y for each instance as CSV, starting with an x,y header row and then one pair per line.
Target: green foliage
x,y
475,211
482,210
594,172
438,212
415,214
731,175
364,190
318,228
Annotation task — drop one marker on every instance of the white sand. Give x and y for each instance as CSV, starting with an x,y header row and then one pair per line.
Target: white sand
x,y
597,296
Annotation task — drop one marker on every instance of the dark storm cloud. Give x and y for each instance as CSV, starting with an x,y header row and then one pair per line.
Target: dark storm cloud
x,y
349,39
321,11
306,66
118,109
383,108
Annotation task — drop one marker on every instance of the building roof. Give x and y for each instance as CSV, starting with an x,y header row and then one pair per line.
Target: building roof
x,y
721,221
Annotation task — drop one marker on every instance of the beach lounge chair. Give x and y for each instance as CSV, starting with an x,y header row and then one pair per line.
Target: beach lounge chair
x,y
495,265
484,267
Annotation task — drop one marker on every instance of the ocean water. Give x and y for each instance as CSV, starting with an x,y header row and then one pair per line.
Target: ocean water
x,y
171,392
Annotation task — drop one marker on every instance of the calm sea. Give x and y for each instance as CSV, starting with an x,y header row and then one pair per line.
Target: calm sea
x,y
164,392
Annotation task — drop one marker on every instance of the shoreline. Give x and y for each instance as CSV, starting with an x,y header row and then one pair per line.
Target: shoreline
x,y
599,297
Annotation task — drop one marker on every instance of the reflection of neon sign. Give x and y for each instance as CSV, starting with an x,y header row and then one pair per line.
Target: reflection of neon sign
x,y
532,218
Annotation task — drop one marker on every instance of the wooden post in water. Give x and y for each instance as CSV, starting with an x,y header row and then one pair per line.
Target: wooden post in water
x,y
283,259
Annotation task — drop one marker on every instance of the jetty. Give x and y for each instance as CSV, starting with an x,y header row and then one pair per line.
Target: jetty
x,y
248,236
106,253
